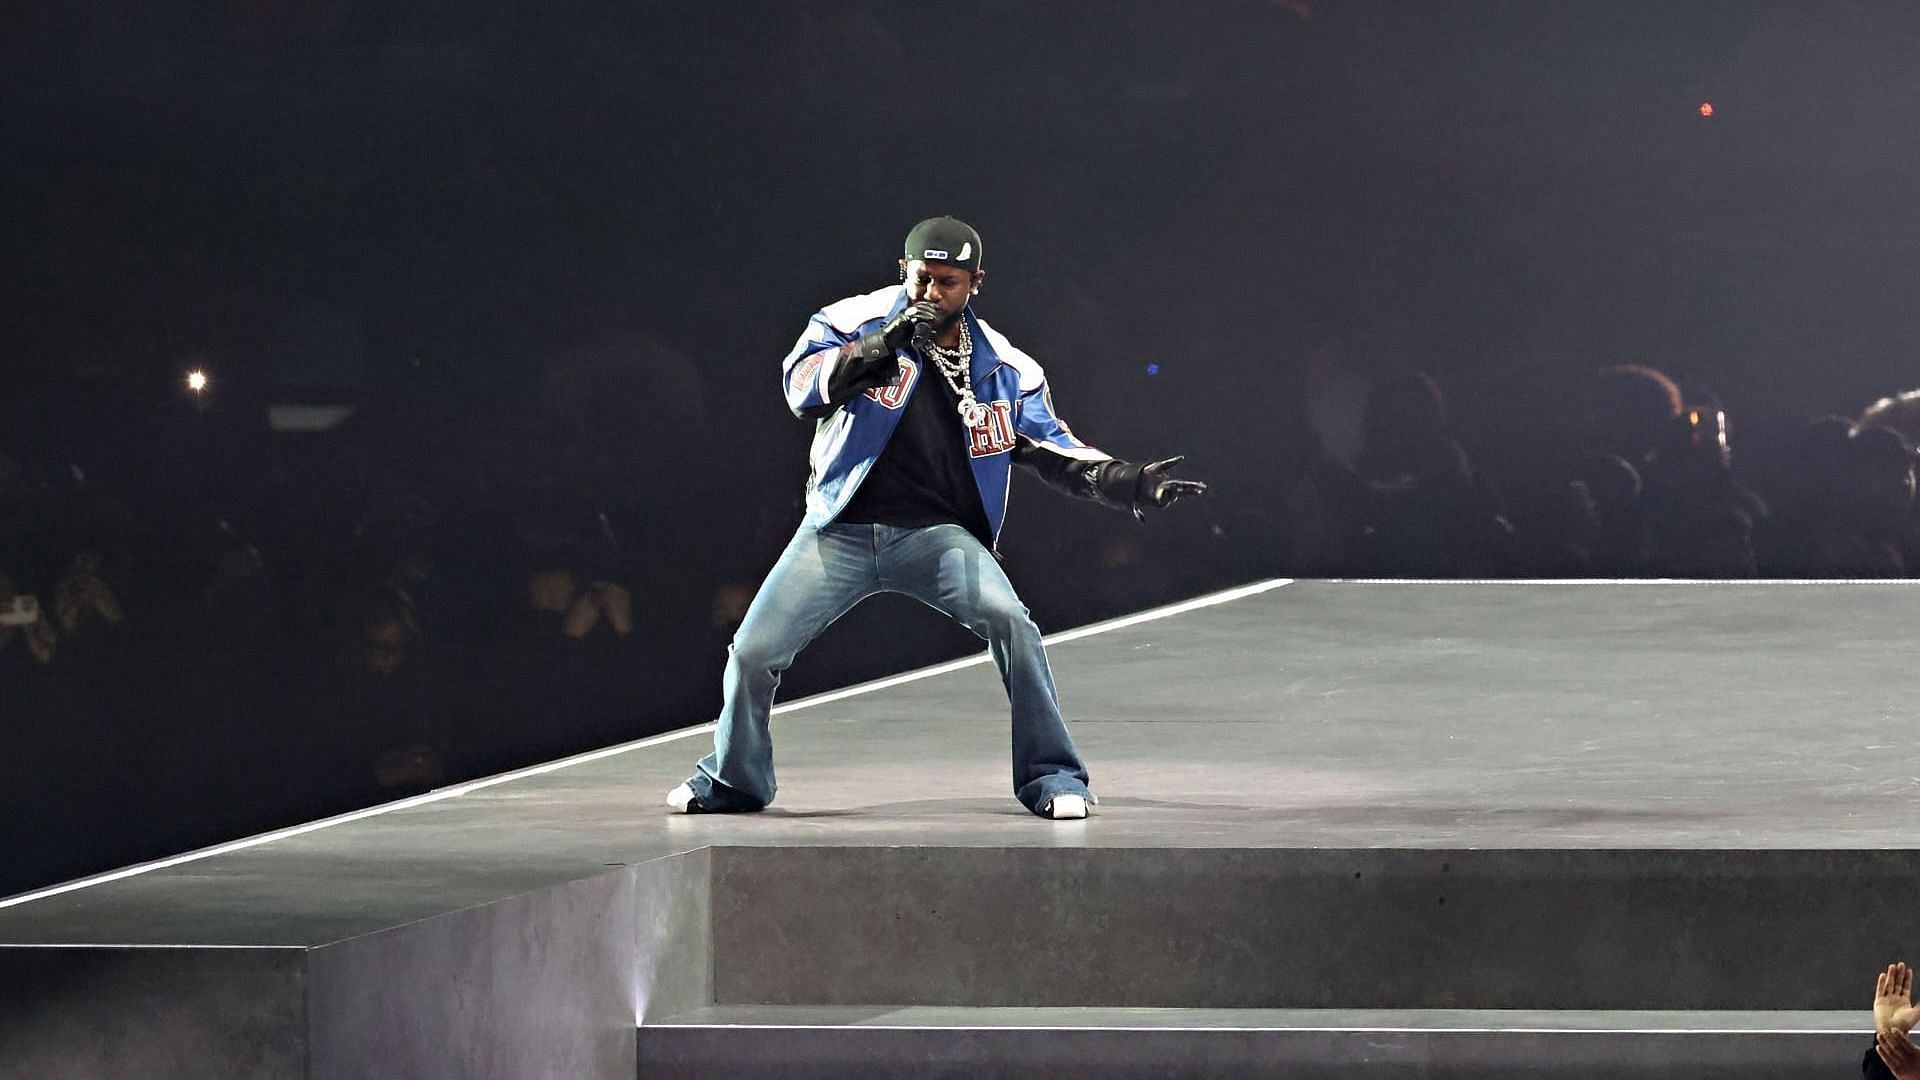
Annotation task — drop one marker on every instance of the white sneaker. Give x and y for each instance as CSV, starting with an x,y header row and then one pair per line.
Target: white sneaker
x,y
680,799
1067,807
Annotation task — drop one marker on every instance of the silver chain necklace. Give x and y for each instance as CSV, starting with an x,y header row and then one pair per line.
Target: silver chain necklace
x,y
956,365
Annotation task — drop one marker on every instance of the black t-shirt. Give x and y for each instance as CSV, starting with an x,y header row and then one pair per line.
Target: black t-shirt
x,y
924,476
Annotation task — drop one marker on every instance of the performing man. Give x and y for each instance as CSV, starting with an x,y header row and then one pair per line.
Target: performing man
x,y
921,411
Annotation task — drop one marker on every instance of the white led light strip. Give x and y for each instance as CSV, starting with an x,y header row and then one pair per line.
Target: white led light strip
x,y
984,1029
1722,582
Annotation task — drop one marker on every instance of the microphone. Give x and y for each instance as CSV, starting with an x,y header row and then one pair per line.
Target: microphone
x,y
922,335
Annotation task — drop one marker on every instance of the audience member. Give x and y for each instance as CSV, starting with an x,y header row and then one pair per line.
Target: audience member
x,y
376,714
1893,1054
1807,488
23,620
239,596
1413,505
1613,487
1898,413
83,597
1686,516
1867,527
569,667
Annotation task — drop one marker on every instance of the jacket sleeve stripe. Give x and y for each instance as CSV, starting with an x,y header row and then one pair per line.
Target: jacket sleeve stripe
x,y
810,364
1039,424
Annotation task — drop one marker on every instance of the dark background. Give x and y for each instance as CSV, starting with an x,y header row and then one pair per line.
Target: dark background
x,y
550,256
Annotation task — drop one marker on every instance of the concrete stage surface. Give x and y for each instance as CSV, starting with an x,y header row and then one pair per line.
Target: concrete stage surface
x,y
1345,829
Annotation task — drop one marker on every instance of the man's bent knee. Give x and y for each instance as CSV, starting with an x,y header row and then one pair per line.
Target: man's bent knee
x,y
756,654
1004,622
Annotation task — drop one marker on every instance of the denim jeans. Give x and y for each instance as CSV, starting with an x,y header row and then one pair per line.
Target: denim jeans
x,y
823,574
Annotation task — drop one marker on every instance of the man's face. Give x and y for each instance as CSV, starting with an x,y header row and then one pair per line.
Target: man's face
x,y
943,283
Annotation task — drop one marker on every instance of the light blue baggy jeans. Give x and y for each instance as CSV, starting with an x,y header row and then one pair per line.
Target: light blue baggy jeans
x,y
822,574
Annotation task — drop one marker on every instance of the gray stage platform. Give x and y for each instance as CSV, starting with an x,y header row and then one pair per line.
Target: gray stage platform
x,y
1460,830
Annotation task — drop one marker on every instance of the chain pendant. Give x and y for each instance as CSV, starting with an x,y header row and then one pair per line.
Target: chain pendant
x,y
954,365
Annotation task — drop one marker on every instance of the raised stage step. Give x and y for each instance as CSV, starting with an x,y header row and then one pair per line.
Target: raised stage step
x,y
821,1042
1271,928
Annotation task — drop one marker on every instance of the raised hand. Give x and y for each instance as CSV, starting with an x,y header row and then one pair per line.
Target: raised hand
x,y
617,603
1893,1007
899,329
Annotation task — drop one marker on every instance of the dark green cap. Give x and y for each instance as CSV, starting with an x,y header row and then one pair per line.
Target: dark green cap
x,y
947,240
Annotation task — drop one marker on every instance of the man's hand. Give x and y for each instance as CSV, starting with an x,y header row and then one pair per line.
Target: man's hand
x,y
1160,490
41,639
1133,487
1899,1054
582,616
617,603
899,329
871,359
1893,1007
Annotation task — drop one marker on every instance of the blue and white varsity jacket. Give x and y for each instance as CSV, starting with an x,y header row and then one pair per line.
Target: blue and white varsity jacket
x,y
856,415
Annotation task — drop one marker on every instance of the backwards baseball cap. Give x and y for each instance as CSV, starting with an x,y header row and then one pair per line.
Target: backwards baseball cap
x,y
947,240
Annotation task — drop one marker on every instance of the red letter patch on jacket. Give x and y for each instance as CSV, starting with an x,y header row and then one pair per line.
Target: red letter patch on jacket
x,y
894,394
994,433
802,378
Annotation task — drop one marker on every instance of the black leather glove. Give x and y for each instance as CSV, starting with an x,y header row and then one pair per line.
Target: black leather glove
x,y
899,329
1123,484
1160,490
869,360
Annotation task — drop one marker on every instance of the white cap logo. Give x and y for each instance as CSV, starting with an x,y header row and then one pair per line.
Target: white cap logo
x,y
943,255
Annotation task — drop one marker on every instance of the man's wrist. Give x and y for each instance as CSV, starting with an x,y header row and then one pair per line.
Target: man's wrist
x,y
870,346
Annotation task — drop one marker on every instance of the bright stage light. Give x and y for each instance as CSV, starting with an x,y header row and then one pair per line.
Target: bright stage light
x,y
197,381
1706,108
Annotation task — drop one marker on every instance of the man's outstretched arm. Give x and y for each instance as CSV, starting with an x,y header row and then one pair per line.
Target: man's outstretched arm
x,y
1050,450
1110,481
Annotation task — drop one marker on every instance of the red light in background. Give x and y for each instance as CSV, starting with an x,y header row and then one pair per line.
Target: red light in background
x,y
1706,108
